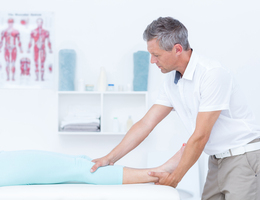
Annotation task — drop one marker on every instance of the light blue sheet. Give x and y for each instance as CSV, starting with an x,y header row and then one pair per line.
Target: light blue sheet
x,y
43,167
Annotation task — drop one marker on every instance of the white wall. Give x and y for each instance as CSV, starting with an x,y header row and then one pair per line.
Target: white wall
x,y
106,33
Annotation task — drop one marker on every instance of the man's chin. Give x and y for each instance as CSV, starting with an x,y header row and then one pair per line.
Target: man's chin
x,y
164,71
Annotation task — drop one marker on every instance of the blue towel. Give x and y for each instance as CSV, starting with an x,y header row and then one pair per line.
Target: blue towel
x,y
67,64
141,69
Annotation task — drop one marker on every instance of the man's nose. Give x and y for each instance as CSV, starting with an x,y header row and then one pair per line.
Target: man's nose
x,y
153,59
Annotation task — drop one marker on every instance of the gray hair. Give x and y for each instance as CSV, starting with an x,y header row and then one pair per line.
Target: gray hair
x,y
168,31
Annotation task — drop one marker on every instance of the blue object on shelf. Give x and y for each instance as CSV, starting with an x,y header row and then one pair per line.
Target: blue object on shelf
x,y
141,69
67,65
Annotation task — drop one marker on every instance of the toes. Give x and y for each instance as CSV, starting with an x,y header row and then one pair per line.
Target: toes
x,y
183,147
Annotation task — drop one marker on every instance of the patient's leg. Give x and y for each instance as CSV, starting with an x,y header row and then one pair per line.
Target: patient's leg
x,y
132,176
172,163
42,167
141,175
37,167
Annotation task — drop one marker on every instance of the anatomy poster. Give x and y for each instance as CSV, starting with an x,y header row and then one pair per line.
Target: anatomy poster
x,y
26,50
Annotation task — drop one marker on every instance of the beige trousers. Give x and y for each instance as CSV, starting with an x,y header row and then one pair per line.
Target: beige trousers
x,y
234,178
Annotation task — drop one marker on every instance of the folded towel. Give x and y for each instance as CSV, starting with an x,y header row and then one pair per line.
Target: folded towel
x,y
81,118
81,130
80,121
82,127
93,125
141,69
67,65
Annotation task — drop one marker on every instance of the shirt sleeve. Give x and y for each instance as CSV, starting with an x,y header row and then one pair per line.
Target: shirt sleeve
x,y
215,90
163,99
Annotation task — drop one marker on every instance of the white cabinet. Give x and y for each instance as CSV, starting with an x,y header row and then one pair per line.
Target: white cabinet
x,y
108,104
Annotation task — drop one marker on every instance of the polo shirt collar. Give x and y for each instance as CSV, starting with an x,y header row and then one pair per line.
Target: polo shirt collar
x,y
190,69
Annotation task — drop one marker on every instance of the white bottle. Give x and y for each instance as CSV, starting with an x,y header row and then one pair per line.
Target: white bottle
x,y
128,87
129,123
102,81
80,86
115,125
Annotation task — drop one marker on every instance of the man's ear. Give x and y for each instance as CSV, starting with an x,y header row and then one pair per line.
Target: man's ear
x,y
178,49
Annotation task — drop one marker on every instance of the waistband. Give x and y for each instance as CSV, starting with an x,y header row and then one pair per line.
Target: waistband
x,y
251,146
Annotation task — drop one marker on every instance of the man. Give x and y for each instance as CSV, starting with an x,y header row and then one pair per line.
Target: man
x,y
10,35
213,110
39,35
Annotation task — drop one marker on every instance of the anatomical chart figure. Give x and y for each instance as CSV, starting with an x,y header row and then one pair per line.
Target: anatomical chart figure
x,y
25,66
39,35
10,35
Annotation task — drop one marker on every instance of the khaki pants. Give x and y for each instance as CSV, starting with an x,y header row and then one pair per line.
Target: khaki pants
x,y
234,178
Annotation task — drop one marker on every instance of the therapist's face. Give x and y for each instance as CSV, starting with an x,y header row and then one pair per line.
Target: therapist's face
x,y
165,60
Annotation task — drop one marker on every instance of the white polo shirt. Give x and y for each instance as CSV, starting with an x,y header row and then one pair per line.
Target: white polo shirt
x,y
207,86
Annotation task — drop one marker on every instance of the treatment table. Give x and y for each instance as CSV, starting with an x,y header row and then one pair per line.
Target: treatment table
x,y
89,192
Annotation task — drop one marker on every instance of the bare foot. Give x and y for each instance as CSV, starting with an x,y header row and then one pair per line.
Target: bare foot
x,y
173,162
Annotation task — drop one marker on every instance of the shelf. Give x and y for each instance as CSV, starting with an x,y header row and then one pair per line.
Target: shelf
x,y
78,92
109,104
106,92
91,133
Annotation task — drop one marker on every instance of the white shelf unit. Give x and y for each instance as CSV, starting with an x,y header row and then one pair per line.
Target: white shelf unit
x,y
108,104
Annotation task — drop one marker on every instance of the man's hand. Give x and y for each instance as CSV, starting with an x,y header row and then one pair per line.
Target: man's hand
x,y
100,162
165,178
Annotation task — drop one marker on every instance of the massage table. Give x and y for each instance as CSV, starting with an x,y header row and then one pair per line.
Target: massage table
x,y
89,192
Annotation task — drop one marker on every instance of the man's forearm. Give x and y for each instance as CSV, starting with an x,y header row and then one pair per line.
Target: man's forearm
x,y
204,124
134,136
138,132
190,155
